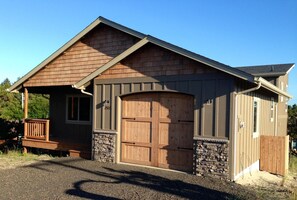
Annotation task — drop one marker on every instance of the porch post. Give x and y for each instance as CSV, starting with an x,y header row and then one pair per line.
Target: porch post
x,y
47,131
26,103
25,116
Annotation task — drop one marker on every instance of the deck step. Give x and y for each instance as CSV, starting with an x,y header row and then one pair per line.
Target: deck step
x,y
80,154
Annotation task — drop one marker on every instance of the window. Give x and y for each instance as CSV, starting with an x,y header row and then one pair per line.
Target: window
x,y
256,113
78,109
272,109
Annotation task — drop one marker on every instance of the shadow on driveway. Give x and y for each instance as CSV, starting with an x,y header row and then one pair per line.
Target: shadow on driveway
x,y
114,181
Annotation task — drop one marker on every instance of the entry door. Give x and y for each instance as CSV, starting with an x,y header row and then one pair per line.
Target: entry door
x,y
157,130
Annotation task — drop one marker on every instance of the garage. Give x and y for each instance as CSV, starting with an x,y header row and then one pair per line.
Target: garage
x,y
157,130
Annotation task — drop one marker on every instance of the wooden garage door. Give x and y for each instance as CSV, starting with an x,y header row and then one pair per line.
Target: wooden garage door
x,y
157,130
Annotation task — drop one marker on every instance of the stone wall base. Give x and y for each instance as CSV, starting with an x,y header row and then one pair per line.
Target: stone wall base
x,y
212,158
103,148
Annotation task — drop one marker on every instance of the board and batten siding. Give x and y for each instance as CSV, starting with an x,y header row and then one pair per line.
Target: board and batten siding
x,y
211,99
248,147
59,128
153,68
282,107
92,51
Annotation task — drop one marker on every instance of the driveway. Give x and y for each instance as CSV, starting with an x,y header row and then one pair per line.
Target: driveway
x,y
72,178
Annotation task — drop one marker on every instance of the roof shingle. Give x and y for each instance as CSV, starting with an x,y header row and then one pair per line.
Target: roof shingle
x,y
267,70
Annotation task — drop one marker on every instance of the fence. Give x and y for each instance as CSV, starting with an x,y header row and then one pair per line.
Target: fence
x,y
274,154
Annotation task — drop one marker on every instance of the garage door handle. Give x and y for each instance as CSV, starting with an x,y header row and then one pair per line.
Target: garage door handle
x,y
182,148
185,120
131,118
129,142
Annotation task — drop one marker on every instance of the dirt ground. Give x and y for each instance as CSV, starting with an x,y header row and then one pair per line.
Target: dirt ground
x,y
35,177
70,178
270,186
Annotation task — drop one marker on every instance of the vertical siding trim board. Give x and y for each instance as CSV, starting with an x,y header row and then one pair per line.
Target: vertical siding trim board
x,y
94,117
112,114
232,132
217,111
102,109
119,125
202,124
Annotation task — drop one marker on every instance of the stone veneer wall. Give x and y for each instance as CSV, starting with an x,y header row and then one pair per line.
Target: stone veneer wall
x,y
103,148
212,157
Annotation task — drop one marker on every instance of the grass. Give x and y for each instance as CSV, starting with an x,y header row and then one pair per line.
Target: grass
x,y
18,155
15,158
293,170
293,164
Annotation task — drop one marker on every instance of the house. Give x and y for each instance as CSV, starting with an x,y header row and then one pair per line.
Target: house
x,y
117,95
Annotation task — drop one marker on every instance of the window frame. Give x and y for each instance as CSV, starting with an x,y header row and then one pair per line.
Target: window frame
x,y
78,121
272,109
257,132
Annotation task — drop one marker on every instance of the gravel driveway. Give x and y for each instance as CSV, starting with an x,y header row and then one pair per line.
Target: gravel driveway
x,y
72,178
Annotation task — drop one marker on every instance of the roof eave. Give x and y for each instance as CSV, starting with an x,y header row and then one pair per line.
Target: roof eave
x,y
70,43
227,69
269,86
122,28
276,74
290,68
212,63
55,54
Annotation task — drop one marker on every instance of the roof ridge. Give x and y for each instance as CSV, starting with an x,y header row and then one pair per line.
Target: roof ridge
x,y
266,65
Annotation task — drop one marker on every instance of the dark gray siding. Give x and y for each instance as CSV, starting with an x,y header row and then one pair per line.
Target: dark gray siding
x,y
59,128
211,95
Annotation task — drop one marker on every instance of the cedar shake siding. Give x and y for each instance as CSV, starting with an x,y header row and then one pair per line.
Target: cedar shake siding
x,y
152,60
94,50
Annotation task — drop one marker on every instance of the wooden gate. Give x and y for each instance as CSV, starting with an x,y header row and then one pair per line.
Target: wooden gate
x,y
274,154
157,130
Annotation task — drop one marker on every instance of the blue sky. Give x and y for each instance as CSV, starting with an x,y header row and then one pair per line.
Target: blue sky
x,y
236,33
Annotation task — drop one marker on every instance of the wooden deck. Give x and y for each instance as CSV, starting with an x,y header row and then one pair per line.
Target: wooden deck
x,y
36,135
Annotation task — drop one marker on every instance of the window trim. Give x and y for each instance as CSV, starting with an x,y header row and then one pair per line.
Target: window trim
x,y
272,109
67,121
257,132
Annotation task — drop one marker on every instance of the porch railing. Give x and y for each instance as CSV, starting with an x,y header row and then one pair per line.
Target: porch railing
x,y
36,129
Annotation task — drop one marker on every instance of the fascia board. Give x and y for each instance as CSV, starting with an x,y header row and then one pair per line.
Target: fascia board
x,y
271,87
55,54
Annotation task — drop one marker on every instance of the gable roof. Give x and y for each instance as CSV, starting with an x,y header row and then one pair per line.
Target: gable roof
x,y
212,63
268,70
18,84
144,39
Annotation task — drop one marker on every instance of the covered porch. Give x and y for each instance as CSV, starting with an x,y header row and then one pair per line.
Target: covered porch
x,y
50,135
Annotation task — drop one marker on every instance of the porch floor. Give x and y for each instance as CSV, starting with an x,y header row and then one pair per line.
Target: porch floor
x,y
75,149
